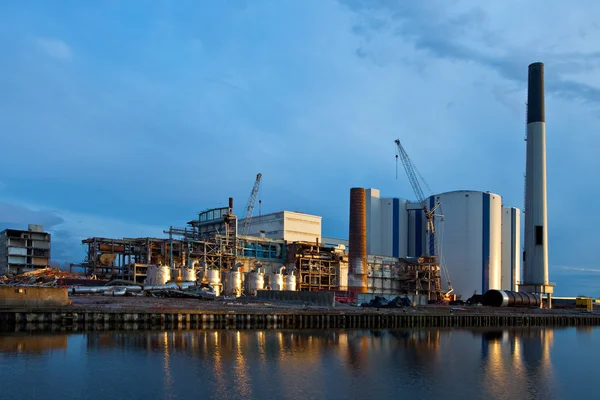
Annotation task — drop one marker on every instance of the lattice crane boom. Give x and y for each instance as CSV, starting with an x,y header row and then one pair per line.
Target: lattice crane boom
x,y
414,176
250,205
410,171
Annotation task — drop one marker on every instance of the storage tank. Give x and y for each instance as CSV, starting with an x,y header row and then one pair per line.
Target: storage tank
x,y
290,282
188,274
255,281
158,275
276,281
232,283
470,239
214,279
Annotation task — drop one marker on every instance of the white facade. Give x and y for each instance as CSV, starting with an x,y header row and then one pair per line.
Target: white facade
x,y
511,248
287,225
387,222
470,239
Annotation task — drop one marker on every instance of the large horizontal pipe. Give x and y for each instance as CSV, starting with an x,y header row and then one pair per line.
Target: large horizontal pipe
x,y
506,298
102,289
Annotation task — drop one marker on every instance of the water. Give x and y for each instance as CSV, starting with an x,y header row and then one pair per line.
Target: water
x,y
418,364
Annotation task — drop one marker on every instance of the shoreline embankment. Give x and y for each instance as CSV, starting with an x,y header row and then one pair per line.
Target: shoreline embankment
x,y
107,313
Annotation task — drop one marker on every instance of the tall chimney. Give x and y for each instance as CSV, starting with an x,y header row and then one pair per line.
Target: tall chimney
x,y
535,256
357,276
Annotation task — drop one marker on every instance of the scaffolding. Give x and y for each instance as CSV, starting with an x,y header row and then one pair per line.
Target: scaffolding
x,y
211,240
405,276
318,266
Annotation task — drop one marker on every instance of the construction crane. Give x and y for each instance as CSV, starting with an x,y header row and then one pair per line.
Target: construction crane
x,y
413,177
250,205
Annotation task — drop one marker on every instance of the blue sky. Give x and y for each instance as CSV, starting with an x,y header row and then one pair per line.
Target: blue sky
x,y
120,118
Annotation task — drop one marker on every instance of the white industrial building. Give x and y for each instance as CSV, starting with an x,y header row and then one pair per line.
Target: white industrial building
x,y
387,223
287,225
479,244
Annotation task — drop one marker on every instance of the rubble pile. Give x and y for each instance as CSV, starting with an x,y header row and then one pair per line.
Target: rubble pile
x,y
45,277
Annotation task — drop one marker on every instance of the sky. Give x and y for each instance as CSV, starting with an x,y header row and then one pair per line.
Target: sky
x,y
122,117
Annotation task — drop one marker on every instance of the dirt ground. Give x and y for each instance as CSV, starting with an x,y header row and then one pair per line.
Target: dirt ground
x,y
160,304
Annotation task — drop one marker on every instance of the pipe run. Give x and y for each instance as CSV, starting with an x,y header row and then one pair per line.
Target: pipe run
x,y
507,298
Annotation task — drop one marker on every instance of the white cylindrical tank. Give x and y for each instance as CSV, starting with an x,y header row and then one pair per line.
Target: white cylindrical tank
x,y
214,279
188,274
470,239
290,282
158,275
255,281
276,281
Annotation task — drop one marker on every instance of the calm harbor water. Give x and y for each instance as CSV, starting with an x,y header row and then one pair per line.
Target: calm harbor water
x,y
420,364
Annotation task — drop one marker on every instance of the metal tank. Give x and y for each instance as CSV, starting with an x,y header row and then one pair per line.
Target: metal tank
x,y
507,298
470,239
214,279
188,274
232,283
276,281
158,275
255,281
290,282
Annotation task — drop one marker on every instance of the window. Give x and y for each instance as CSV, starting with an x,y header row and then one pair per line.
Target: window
x,y
539,235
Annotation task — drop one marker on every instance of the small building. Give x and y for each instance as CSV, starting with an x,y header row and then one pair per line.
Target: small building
x,y
287,225
24,250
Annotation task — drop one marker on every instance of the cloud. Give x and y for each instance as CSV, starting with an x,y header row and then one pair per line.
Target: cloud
x,y
54,47
68,228
14,214
462,34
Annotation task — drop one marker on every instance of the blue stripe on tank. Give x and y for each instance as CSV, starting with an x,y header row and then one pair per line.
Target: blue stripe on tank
x,y
485,250
396,228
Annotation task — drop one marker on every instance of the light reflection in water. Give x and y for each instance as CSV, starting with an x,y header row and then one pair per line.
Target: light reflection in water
x,y
517,361
168,381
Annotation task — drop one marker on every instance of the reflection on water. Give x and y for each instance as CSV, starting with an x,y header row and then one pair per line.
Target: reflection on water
x,y
38,344
517,361
497,364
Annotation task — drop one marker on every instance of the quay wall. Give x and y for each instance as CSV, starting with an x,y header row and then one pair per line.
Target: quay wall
x,y
101,320
32,296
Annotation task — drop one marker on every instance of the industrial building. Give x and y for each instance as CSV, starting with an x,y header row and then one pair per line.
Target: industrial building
x,y
282,250
471,232
287,225
22,250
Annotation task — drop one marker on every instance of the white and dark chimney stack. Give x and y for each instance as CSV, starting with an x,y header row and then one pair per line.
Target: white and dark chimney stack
x,y
535,255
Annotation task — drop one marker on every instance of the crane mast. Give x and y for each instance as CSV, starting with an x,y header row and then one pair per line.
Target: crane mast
x,y
414,176
250,205
411,171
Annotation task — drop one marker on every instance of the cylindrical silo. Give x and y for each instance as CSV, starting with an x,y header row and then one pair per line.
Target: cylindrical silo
x,y
469,237
357,257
